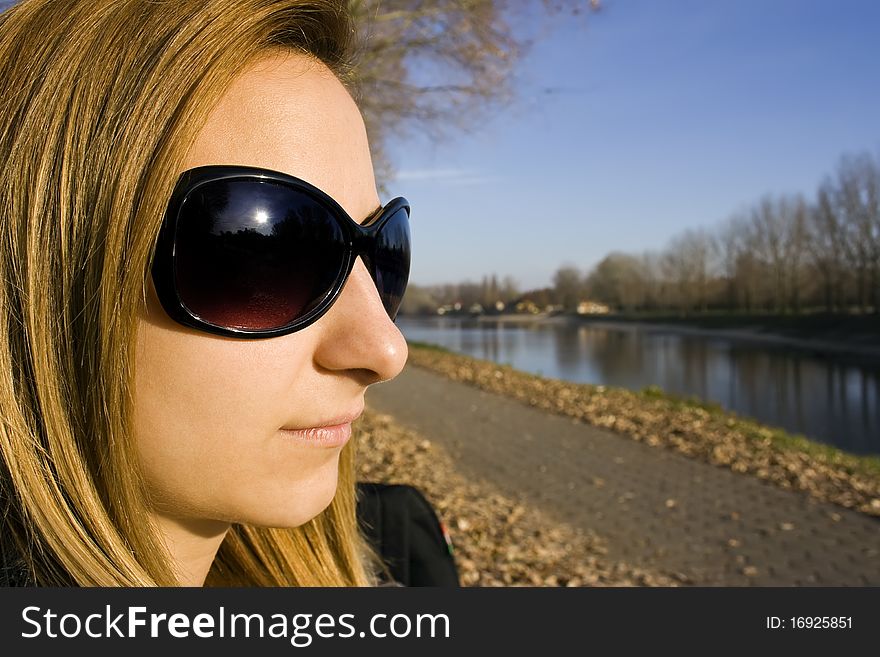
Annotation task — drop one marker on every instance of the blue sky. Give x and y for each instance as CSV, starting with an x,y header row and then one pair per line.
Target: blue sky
x,y
661,116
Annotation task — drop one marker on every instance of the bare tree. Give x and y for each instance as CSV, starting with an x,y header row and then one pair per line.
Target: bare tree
x,y
619,280
652,281
729,245
857,196
440,66
509,289
569,285
418,301
686,264
826,245
796,213
780,226
769,245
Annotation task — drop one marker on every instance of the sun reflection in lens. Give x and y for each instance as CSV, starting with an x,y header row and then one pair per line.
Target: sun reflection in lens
x,y
261,217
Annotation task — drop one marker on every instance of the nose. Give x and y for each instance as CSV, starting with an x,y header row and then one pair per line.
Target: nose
x,y
357,334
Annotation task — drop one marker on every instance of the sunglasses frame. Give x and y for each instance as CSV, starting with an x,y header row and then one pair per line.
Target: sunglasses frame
x,y
360,239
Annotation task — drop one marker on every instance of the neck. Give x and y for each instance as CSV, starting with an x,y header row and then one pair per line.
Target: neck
x,y
192,544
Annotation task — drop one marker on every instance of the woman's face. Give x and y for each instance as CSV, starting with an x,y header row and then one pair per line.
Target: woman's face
x,y
209,409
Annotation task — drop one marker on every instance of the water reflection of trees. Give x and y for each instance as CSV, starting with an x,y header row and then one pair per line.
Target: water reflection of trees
x,y
612,354
778,386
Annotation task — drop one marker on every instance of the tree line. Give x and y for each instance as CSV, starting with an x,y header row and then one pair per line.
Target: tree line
x,y
783,254
461,297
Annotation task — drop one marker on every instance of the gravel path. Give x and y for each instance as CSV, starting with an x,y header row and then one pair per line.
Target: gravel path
x,y
652,508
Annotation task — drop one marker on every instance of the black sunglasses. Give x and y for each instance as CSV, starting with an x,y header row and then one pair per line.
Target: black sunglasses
x,y
253,253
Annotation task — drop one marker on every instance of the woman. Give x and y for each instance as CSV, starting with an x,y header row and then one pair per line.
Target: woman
x,y
181,188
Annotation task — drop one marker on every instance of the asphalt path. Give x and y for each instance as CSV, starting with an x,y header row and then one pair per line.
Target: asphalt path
x,y
655,508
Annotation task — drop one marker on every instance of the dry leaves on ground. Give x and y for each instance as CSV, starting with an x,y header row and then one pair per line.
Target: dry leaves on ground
x,y
498,541
715,437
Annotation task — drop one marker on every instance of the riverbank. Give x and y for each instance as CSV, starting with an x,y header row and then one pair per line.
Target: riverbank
x,y
700,431
822,335
541,480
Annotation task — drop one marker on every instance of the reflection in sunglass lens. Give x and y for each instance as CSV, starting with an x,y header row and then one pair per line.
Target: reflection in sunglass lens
x,y
390,261
255,254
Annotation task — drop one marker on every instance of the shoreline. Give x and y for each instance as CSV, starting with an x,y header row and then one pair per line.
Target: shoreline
x,y
817,346
820,346
696,430
646,506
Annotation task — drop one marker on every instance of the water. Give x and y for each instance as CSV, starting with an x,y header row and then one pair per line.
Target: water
x,y
836,401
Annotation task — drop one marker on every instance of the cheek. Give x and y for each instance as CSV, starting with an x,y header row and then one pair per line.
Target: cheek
x,y
197,384
206,416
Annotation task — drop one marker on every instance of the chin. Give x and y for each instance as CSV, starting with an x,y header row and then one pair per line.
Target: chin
x,y
297,504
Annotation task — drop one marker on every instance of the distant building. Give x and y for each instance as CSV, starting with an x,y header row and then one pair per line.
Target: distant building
x,y
527,306
592,308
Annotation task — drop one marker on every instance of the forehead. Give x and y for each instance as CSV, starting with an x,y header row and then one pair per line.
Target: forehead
x,y
288,112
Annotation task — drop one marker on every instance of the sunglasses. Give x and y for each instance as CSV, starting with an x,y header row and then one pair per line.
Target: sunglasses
x,y
252,253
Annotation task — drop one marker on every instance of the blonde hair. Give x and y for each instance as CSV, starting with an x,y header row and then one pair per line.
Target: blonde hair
x,y
99,102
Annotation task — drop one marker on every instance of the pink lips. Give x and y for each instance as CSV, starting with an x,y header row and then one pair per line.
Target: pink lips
x,y
334,434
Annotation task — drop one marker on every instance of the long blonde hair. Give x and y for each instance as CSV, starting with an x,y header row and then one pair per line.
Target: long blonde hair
x,y
99,102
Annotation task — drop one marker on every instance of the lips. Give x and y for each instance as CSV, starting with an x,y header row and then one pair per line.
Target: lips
x,y
335,436
338,421
334,432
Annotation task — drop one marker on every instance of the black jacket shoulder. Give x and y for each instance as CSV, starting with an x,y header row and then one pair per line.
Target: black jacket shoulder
x,y
13,569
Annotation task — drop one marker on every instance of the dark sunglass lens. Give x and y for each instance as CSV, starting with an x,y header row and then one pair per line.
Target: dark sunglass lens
x,y
391,260
255,255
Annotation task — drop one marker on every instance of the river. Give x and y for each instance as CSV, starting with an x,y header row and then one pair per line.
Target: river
x,y
832,400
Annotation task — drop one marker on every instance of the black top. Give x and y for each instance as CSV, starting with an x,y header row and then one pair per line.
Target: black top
x,y
13,569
